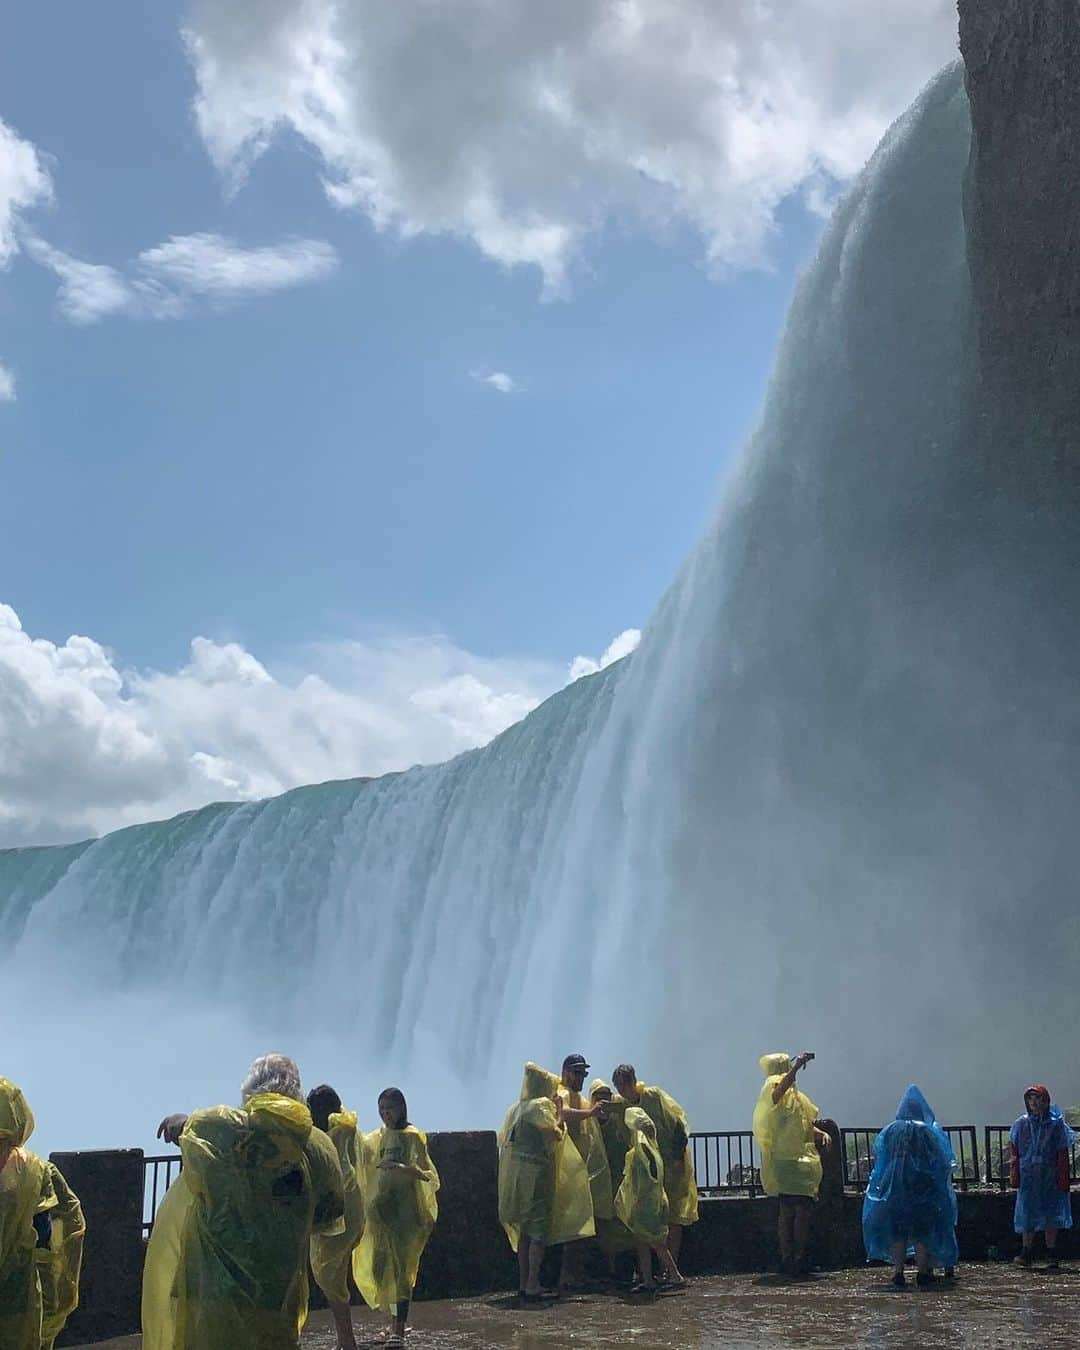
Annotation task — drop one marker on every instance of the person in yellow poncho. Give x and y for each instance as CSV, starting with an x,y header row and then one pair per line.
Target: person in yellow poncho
x,y
789,1141
673,1141
611,1234
399,1184
41,1235
544,1196
641,1202
226,1265
582,1120
331,1255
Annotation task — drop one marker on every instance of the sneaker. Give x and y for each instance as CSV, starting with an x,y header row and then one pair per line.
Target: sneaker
x,y
1023,1259
898,1280
925,1277
1052,1263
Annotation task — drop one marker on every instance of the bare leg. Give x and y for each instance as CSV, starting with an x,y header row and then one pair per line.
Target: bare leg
x,y
1051,1239
343,1326
801,1236
524,1244
668,1264
399,1314
674,1241
536,1260
922,1259
784,1232
644,1264
898,1251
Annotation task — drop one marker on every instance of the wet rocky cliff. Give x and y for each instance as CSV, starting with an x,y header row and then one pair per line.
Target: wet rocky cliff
x,y
1022,212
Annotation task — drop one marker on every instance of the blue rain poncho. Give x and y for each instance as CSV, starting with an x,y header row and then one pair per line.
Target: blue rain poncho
x,y
1042,1200
910,1196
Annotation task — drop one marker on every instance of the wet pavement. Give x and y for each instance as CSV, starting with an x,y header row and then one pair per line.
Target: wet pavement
x,y
988,1307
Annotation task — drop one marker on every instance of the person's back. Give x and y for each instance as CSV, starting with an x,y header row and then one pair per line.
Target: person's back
x,y
256,1181
909,1199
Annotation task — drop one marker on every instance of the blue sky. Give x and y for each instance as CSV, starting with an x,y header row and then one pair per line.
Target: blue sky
x,y
281,471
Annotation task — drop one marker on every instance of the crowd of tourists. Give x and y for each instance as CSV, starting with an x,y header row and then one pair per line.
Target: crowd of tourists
x,y
284,1184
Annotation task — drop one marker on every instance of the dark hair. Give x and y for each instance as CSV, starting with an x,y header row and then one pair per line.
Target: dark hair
x,y
323,1102
624,1071
395,1095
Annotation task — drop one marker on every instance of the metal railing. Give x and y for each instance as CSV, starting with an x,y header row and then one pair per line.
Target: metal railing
x,y
726,1162
966,1151
857,1152
998,1154
159,1173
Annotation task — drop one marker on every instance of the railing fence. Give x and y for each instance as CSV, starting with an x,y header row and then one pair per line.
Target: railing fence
x,y
159,1173
727,1162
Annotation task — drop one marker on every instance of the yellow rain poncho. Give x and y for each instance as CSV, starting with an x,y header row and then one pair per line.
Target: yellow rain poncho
x,y
641,1202
543,1182
610,1233
784,1130
673,1141
226,1265
400,1212
331,1254
39,1285
589,1141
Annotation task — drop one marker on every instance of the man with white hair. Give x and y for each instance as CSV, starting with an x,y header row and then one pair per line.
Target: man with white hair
x,y
227,1260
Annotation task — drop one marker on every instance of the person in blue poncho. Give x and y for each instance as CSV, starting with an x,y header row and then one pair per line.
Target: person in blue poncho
x,y
910,1200
1039,1171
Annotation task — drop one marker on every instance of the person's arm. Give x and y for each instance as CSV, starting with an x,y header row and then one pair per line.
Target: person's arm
x,y
584,1113
822,1138
788,1079
1014,1167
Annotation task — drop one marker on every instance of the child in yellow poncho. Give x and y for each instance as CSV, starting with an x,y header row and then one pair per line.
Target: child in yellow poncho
x,y
399,1185
544,1196
612,1235
641,1203
331,1255
790,1163
673,1141
41,1235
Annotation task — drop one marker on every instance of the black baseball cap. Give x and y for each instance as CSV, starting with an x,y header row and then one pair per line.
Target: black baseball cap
x,y
576,1062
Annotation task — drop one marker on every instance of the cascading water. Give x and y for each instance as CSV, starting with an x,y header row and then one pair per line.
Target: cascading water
x,y
827,802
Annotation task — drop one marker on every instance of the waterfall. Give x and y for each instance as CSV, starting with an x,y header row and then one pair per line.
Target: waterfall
x,y
825,804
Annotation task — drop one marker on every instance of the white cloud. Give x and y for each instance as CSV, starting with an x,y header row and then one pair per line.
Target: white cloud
x,y
498,379
7,385
87,746
619,647
207,264
24,183
523,127
170,281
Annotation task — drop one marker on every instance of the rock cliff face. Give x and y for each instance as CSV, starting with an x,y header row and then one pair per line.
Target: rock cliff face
x,y
1022,210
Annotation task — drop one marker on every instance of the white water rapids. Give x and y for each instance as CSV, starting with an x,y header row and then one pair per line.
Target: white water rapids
x,y
823,805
